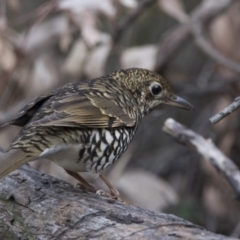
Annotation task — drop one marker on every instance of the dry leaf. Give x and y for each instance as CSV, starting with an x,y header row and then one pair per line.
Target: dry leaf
x,y
129,3
43,34
65,41
76,6
235,20
75,60
8,59
213,201
3,23
83,13
96,59
43,77
222,35
227,142
146,190
174,8
142,57
14,4
90,33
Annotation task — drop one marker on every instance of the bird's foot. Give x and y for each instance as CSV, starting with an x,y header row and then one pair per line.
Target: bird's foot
x,y
90,188
113,195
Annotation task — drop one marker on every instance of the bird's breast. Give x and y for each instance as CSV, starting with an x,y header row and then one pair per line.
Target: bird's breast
x,y
105,146
97,149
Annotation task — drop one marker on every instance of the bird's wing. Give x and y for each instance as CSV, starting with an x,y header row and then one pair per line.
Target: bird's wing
x,y
26,113
90,111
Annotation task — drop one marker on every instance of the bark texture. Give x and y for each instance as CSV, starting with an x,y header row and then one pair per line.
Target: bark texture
x,y
36,206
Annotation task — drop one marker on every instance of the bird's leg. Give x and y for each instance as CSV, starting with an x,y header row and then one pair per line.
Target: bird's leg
x,y
114,192
83,183
89,187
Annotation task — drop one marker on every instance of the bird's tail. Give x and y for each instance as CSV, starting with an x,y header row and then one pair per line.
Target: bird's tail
x,y
11,160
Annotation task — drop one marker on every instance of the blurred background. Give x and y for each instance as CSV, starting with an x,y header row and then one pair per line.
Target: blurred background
x,y
194,44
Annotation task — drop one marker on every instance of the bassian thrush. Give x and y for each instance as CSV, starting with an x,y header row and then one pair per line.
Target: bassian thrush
x,y
86,126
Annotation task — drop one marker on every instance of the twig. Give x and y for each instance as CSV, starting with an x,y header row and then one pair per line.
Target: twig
x,y
226,111
208,150
3,8
127,22
3,20
174,39
203,42
35,13
170,43
44,11
205,74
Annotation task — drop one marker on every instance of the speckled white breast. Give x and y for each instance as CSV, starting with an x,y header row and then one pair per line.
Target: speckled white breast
x,y
100,148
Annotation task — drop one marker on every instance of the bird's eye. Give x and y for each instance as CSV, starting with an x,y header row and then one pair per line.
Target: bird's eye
x,y
156,89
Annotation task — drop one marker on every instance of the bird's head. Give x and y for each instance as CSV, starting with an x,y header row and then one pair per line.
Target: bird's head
x,y
151,90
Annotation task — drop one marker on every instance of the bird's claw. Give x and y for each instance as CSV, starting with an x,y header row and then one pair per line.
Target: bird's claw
x,y
91,188
108,195
113,195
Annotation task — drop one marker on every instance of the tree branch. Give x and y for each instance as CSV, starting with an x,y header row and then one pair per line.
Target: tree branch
x,y
226,111
129,20
173,40
37,206
204,43
208,150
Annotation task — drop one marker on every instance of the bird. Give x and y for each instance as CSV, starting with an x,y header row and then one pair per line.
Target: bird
x,y
86,126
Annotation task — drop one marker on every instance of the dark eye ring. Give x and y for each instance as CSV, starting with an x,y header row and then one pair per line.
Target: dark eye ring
x,y
156,89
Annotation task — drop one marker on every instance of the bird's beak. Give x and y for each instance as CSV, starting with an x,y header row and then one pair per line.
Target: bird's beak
x,y
179,102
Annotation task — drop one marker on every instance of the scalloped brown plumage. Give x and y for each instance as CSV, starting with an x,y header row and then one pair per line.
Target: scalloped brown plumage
x,y
86,126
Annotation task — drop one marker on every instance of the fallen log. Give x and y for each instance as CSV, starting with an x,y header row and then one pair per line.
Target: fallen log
x,y
34,205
